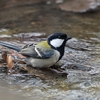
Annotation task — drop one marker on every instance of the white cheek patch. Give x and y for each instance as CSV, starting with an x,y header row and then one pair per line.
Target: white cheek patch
x,y
56,42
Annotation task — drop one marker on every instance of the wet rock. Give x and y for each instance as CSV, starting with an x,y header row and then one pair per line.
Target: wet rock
x,y
4,33
81,81
78,67
79,45
3,30
5,36
59,1
79,5
3,69
29,35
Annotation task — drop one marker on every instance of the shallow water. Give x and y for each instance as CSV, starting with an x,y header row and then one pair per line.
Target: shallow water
x,y
81,60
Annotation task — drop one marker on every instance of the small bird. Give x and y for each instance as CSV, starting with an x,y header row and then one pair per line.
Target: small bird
x,y
44,53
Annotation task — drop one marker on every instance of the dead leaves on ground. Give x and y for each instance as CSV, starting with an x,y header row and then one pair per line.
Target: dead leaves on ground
x,y
8,59
15,65
12,61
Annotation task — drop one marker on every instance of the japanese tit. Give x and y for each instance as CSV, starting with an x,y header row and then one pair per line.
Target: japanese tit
x,y
45,53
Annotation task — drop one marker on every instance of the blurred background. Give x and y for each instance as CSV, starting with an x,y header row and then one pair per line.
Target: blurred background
x,y
79,18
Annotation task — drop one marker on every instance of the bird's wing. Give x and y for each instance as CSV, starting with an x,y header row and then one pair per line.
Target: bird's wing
x,y
34,51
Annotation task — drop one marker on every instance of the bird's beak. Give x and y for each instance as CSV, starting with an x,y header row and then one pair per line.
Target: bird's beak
x,y
68,38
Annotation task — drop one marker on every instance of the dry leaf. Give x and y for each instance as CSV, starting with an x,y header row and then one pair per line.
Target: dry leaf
x,y
10,62
8,59
4,55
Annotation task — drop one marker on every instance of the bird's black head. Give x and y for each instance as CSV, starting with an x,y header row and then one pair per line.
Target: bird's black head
x,y
57,41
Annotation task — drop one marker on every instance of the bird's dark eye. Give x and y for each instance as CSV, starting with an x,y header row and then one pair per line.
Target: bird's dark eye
x,y
59,37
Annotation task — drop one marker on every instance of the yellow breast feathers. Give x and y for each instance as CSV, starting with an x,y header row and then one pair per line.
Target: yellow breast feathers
x,y
43,44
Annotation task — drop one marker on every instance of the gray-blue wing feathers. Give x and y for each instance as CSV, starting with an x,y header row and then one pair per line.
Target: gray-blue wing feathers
x,y
30,50
40,53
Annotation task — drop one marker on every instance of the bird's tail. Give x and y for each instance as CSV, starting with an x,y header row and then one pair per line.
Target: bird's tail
x,y
10,46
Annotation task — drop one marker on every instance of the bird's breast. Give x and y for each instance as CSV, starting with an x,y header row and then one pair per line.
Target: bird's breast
x,y
40,63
